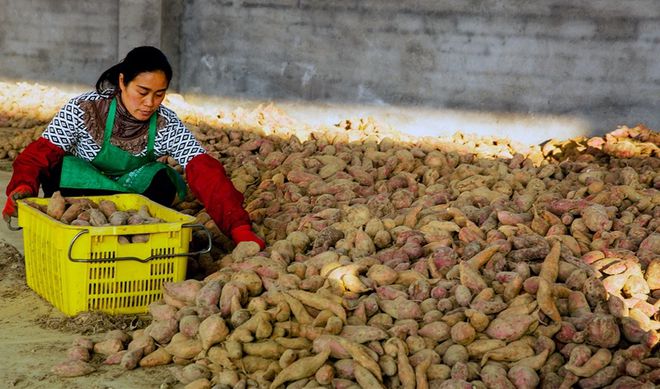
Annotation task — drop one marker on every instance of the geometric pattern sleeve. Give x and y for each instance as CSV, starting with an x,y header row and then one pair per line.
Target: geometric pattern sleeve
x,y
176,140
68,131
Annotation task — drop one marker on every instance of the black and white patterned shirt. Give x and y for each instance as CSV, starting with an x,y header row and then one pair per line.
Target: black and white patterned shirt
x,y
69,131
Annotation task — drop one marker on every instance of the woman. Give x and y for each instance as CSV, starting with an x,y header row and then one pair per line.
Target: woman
x,y
109,140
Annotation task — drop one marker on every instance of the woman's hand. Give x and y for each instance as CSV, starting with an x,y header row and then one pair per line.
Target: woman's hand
x,y
11,210
244,233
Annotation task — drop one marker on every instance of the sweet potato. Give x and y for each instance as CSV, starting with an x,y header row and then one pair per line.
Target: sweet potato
x,y
598,361
212,330
162,331
71,213
462,333
83,342
363,334
185,349
108,207
56,206
453,354
438,331
471,278
382,275
510,328
479,347
421,378
600,379
78,353
160,312
547,278
535,362
406,373
200,383
118,218
343,348
523,377
494,376
115,359
266,349
602,331
512,352
365,378
184,290
131,359
143,342
75,368
97,218
189,325
158,357
301,368
108,347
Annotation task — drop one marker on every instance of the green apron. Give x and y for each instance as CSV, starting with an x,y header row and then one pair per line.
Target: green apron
x,y
117,170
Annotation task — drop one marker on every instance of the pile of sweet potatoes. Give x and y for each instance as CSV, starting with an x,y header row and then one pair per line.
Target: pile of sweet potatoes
x,y
401,262
392,266
83,211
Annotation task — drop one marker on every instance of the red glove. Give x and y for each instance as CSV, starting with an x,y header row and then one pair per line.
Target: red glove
x,y
10,210
244,234
35,162
209,183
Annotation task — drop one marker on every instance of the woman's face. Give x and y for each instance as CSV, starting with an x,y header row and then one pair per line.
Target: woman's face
x,y
143,95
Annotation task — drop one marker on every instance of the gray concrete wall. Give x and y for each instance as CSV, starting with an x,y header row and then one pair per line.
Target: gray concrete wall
x,y
596,60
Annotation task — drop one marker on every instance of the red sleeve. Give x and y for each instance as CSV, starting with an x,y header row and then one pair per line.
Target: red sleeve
x,y
209,183
38,159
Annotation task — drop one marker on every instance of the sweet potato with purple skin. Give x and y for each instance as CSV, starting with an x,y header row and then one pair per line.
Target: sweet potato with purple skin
x,y
83,342
78,353
108,347
602,331
73,368
115,358
184,290
510,328
401,308
523,377
494,376
131,359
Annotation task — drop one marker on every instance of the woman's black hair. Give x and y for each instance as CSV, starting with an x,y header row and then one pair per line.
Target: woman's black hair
x,y
139,60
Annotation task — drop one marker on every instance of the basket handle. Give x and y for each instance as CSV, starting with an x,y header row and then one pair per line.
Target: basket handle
x,y
17,228
157,256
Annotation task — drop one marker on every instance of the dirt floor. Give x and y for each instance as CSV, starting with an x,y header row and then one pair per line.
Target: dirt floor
x,y
34,336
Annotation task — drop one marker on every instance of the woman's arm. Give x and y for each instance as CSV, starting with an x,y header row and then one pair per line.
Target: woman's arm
x,y
209,182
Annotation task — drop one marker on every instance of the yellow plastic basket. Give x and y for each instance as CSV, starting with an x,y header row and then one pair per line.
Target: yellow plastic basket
x,y
82,268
